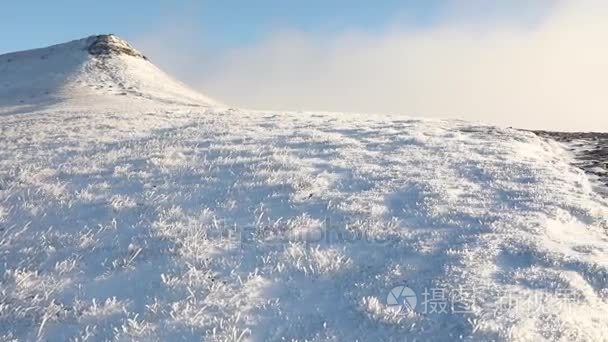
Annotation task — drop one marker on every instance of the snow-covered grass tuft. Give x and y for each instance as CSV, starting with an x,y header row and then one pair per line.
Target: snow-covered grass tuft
x,y
174,223
314,260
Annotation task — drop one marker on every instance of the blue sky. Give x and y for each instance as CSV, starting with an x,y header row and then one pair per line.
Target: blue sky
x,y
26,23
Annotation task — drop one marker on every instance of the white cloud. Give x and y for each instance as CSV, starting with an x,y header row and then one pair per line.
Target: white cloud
x,y
551,75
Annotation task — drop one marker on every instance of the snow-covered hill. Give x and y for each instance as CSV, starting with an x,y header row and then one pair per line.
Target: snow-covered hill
x,y
88,71
156,216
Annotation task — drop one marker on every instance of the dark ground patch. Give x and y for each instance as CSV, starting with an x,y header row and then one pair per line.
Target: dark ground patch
x,y
108,44
590,149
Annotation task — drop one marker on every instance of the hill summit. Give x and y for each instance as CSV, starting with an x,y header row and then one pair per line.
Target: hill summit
x,y
109,44
100,69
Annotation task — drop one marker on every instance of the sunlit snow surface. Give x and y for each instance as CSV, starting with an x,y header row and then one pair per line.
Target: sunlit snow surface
x,y
118,224
123,218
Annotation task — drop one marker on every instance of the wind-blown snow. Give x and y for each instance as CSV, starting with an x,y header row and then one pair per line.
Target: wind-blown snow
x,y
177,222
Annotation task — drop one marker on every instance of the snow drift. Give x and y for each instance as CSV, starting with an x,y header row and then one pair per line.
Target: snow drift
x,y
153,219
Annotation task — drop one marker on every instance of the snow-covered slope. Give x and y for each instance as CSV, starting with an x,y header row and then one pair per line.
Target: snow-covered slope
x,y
88,70
161,221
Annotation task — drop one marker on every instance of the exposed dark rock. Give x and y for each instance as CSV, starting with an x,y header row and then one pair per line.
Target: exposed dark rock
x,y
590,149
570,136
109,44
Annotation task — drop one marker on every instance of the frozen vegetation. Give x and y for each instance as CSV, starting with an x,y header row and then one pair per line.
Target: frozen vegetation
x,y
132,208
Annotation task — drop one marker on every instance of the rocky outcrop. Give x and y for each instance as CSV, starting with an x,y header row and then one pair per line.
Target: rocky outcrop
x,y
109,44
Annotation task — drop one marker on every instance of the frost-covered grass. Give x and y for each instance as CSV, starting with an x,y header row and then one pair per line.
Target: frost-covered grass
x,y
177,223
132,210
